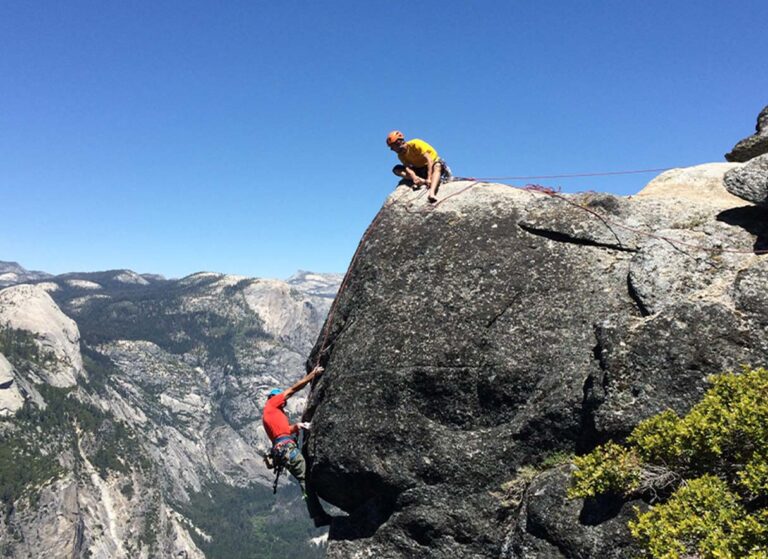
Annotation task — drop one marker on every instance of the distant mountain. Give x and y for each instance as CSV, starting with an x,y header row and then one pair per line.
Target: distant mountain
x,y
12,273
116,279
133,408
321,285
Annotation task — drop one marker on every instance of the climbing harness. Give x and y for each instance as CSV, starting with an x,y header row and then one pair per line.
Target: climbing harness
x,y
278,470
276,458
275,465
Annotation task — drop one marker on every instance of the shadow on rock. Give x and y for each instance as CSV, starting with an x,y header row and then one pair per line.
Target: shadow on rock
x,y
363,522
753,219
597,510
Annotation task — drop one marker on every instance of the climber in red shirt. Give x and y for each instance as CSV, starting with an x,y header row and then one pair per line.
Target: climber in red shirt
x,y
285,450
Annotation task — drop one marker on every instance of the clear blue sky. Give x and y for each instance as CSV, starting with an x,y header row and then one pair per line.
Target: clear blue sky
x,y
248,137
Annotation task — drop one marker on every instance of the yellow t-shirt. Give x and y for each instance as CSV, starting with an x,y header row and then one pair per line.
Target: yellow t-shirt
x,y
415,153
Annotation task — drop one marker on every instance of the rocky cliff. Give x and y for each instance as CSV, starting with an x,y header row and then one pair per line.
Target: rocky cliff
x,y
480,342
132,409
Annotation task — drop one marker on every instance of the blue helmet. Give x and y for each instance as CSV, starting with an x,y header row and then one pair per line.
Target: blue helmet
x,y
274,392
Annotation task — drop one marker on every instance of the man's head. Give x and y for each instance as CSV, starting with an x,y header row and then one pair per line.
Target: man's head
x,y
274,392
396,141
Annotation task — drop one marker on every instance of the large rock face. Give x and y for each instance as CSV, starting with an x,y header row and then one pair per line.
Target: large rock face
x,y
503,326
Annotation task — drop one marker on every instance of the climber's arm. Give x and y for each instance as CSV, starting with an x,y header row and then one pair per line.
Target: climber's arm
x,y
303,382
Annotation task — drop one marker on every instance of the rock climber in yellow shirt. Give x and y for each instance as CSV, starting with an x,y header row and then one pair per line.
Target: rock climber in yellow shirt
x,y
421,164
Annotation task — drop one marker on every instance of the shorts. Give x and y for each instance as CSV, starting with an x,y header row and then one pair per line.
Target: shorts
x,y
445,171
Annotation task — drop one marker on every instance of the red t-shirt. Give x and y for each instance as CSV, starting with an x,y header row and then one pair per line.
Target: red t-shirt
x,y
275,420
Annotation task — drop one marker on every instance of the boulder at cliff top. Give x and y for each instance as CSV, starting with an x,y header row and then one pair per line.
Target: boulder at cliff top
x,y
750,182
502,326
702,184
752,146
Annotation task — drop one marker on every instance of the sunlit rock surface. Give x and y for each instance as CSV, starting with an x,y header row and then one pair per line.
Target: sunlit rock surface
x,y
31,308
750,181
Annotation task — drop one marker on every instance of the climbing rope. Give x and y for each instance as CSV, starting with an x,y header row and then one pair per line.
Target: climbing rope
x,y
608,221
569,175
551,192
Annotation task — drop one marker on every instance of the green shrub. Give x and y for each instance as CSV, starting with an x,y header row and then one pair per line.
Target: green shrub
x,y
705,518
99,367
608,469
127,490
555,459
705,474
729,426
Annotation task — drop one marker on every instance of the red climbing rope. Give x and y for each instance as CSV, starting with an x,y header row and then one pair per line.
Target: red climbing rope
x,y
605,219
549,191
